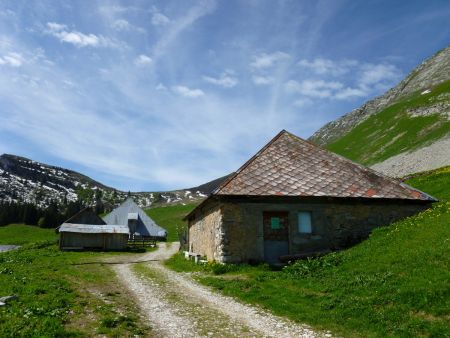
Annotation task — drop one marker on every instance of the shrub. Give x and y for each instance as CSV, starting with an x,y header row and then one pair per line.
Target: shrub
x,y
311,266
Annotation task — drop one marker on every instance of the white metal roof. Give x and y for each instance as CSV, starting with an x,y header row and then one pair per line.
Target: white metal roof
x,y
94,228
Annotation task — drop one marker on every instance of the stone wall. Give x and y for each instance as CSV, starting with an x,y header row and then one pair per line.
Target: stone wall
x,y
204,233
335,225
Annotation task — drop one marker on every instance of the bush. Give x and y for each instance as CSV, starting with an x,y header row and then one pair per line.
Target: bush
x,y
311,266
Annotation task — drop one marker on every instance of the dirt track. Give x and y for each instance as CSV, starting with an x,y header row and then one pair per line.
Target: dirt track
x,y
177,306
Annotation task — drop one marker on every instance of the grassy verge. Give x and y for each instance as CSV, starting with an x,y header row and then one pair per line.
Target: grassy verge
x,y
59,296
393,284
171,217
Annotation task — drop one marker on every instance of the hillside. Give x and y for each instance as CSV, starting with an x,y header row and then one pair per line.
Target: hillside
x,y
408,117
393,284
25,180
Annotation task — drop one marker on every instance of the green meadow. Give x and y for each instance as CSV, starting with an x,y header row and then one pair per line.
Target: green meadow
x,y
171,218
59,294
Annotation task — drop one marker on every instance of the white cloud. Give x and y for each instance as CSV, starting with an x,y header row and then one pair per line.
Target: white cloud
x,y
56,27
142,60
325,66
226,79
361,79
268,60
160,87
180,24
12,59
313,88
372,74
302,102
159,19
121,25
187,92
262,80
76,38
348,92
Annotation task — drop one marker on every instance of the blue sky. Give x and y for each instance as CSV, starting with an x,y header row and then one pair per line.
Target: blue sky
x,y
159,95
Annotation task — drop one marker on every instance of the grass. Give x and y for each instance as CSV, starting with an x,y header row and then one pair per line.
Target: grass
x,y
392,130
171,218
59,296
395,284
20,234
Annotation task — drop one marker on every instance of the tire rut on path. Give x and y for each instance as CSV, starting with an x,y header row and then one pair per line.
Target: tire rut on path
x,y
177,306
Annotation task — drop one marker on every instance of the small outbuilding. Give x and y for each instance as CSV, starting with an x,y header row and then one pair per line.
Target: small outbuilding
x,y
86,230
294,199
138,222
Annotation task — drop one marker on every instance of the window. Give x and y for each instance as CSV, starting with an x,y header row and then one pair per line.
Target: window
x,y
304,222
275,223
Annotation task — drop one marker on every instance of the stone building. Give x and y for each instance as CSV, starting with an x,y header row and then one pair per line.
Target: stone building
x,y
294,199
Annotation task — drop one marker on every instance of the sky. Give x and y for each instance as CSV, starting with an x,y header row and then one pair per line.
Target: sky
x,y
161,95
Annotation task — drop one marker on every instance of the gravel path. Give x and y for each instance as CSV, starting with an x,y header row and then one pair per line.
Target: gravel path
x,y
430,157
176,306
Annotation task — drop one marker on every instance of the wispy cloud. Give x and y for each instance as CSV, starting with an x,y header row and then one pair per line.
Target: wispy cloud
x,y
187,92
314,88
361,78
121,25
261,80
372,74
264,60
159,19
76,38
178,25
326,66
143,60
12,59
227,79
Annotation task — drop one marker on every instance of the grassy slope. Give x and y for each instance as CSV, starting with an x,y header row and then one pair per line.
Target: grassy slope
x,y
21,234
58,296
392,131
169,217
394,284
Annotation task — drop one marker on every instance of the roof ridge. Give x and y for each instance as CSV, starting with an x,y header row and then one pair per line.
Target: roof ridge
x,y
249,161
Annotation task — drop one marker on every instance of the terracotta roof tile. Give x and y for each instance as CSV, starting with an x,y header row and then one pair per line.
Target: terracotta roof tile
x,y
291,166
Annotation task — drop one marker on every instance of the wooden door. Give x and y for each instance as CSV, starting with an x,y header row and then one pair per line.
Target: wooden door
x,y
276,235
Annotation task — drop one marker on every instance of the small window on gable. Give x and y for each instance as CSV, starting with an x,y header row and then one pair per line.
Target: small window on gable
x,y
304,222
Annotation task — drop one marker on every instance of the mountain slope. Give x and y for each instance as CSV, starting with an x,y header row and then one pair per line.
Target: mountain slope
x,y
410,116
25,180
431,72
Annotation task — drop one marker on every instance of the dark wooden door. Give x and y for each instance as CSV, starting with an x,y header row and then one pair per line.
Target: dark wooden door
x,y
276,235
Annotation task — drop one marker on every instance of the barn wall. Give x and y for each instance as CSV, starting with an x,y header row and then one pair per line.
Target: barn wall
x,y
95,241
240,235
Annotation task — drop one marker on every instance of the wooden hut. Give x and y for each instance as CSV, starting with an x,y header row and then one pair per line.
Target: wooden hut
x,y
86,230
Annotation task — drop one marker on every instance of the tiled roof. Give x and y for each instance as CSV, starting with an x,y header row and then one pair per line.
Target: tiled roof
x,y
291,166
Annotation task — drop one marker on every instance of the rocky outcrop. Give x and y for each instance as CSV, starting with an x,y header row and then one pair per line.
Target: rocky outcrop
x,y
431,72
